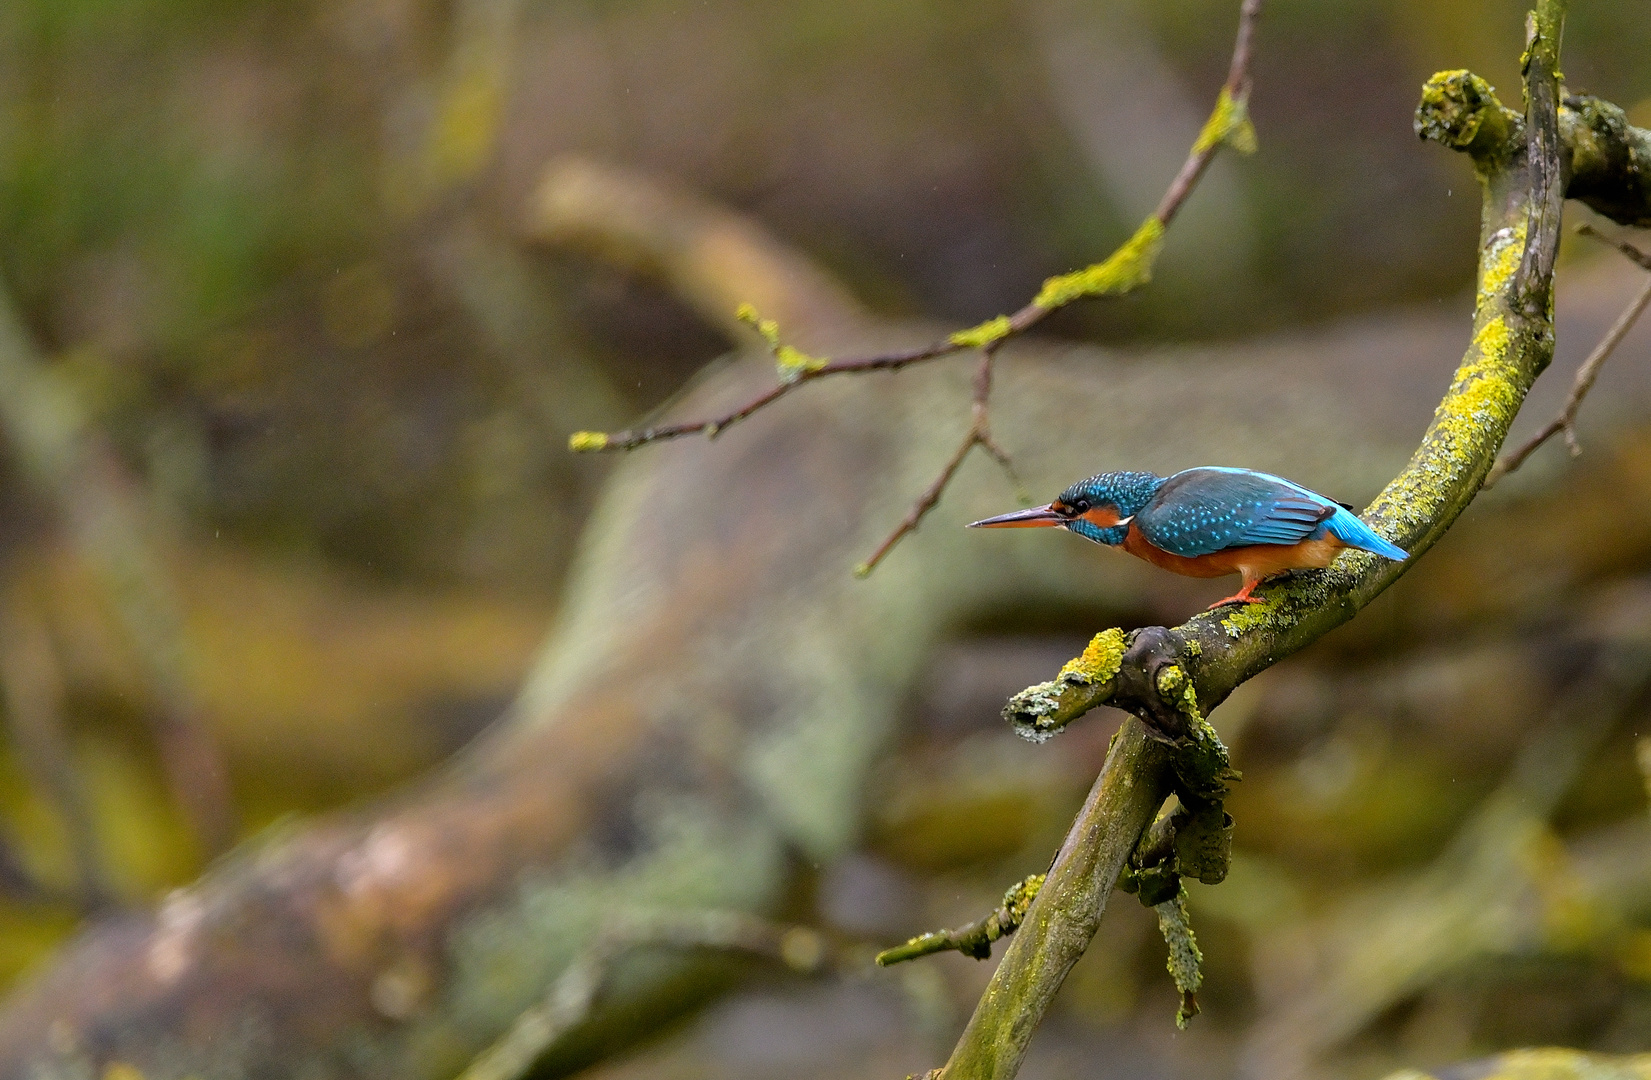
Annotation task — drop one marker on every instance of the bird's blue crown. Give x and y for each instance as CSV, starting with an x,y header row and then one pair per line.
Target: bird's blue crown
x,y
1128,492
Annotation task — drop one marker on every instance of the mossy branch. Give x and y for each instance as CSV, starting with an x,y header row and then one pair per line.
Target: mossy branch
x,y
974,939
1125,270
1171,678
1185,959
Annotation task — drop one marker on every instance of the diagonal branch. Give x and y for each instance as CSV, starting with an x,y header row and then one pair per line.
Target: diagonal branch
x,y
1124,271
1170,678
979,434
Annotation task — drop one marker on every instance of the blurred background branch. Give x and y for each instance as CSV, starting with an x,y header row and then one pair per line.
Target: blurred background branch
x,y
102,512
1585,376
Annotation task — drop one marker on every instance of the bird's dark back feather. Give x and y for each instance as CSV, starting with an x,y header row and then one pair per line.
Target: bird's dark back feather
x,y
1200,511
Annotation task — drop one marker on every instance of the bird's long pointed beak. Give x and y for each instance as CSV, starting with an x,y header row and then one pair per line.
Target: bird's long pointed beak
x,y
1035,518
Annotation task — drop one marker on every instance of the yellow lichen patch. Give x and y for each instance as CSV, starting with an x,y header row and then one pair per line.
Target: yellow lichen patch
x,y
1250,617
1100,660
768,328
1492,341
1124,270
976,337
1501,261
1229,124
1459,110
1174,684
586,442
1483,398
791,362
1019,898
1452,107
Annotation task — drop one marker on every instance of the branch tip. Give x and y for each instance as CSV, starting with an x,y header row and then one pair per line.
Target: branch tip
x,y
792,363
976,938
1185,958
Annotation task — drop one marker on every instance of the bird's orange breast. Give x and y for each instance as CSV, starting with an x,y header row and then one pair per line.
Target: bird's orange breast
x,y
1254,561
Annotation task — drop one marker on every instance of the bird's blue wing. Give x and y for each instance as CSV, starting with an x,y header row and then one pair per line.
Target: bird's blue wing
x,y
1200,511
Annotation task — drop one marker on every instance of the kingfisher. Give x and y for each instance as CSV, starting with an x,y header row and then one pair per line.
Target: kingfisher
x,y
1207,522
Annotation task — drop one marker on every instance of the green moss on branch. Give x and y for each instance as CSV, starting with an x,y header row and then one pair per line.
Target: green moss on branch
x,y
1086,681
1125,270
1185,959
1610,160
1192,668
1460,110
976,938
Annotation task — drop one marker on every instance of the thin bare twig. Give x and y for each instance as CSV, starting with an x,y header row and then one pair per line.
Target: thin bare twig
x,y
1632,253
1587,373
585,441
979,434
1125,270
974,939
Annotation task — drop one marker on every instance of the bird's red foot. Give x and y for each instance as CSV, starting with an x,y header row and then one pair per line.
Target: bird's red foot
x,y
1242,596
1237,598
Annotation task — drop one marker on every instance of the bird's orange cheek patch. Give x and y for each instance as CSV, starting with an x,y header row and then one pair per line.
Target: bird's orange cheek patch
x,y
1103,516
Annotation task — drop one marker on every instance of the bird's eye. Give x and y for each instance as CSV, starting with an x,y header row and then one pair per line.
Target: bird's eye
x,y
1080,506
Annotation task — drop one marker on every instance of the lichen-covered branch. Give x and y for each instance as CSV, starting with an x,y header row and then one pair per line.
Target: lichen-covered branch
x,y
974,939
1124,271
1067,910
1509,348
1185,957
1170,678
1608,160
1088,680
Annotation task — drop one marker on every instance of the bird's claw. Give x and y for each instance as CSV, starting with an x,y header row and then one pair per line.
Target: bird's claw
x,y
1236,600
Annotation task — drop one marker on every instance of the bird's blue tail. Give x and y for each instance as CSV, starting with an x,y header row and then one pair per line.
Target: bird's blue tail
x,y
1347,528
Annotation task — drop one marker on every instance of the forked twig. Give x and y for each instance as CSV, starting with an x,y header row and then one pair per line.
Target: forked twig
x,y
1587,373
1124,271
979,434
